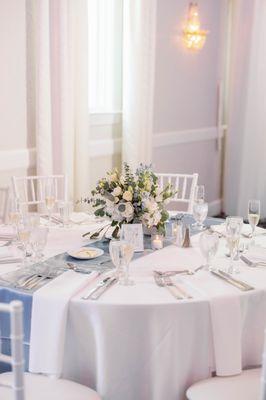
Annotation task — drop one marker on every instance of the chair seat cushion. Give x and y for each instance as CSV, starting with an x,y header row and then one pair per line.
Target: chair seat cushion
x,y
245,386
43,388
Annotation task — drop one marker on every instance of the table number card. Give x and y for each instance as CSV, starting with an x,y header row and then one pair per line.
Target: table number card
x,y
134,232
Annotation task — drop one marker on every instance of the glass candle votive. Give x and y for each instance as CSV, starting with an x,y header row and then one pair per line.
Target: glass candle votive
x,y
156,242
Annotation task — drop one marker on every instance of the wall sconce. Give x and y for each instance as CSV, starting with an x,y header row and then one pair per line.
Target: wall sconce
x,y
193,37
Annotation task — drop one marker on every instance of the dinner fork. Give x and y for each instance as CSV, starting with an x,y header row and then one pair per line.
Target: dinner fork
x,y
183,293
185,271
160,282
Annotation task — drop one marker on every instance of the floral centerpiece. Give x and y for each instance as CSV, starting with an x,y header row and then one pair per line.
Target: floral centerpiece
x,y
129,197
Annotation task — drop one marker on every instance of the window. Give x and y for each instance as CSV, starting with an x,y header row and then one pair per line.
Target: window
x,y
105,18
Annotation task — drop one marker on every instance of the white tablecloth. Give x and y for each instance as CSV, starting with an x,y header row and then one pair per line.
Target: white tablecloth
x,y
140,343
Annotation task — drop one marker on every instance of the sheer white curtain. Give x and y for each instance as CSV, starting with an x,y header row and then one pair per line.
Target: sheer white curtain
x,y
245,163
138,79
58,88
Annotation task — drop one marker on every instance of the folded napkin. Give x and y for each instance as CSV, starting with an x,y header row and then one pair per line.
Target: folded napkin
x,y
256,254
9,255
226,326
81,217
7,232
246,229
48,321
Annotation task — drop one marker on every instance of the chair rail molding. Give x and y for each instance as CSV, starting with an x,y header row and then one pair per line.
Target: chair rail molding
x,y
161,139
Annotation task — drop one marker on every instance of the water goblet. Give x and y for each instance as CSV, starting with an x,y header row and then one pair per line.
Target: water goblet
x,y
24,231
38,241
200,212
209,243
65,209
233,226
115,250
14,213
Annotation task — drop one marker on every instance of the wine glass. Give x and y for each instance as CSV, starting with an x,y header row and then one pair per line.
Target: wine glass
x,y
233,226
24,231
200,212
65,209
253,214
14,213
199,193
115,250
209,243
38,241
50,197
128,239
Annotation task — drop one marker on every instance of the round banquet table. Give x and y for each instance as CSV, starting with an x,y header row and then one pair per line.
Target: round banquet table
x,y
139,342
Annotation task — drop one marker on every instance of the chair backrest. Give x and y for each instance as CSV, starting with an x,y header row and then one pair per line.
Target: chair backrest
x,y
185,186
30,190
16,360
4,195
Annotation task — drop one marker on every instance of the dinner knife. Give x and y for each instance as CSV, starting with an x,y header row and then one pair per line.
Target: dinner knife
x,y
103,289
246,285
230,281
97,287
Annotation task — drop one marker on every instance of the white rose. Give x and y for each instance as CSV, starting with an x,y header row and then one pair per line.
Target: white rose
x,y
116,199
127,195
122,179
117,191
112,178
151,205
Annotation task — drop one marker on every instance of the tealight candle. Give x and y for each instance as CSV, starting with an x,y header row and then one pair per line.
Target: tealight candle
x,y
157,242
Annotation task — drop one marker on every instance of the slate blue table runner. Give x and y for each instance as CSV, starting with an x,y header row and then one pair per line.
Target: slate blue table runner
x,y
8,294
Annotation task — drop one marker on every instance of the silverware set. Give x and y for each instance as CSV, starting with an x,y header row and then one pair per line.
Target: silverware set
x,y
176,291
232,281
100,288
32,281
251,263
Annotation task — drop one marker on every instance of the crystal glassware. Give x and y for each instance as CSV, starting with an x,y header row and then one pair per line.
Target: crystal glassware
x,y
200,212
14,213
24,231
38,241
115,250
208,243
50,197
199,193
65,209
128,240
253,214
233,226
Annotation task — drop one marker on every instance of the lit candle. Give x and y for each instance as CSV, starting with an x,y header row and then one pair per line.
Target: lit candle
x,y
157,242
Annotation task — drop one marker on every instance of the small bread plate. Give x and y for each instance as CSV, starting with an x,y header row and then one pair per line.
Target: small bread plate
x,y
86,253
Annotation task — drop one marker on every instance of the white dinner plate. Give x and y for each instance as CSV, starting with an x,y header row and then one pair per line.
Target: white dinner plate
x,y
86,253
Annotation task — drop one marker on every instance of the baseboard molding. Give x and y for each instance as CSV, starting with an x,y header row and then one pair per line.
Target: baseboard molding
x,y
17,159
215,207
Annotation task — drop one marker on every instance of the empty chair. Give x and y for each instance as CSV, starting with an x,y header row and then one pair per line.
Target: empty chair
x,y
249,385
4,194
31,190
17,385
185,186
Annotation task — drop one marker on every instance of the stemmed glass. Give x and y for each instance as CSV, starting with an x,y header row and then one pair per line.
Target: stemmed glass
x,y
253,214
38,240
65,209
121,253
24,231
233,226
200,208
50,197
209,243
14,213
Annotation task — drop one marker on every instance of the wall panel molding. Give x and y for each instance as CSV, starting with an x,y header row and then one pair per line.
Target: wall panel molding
x,y
17,159
185,136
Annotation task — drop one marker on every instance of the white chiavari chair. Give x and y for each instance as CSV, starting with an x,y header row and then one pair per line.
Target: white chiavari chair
x,y
185,186
4,195
17,385
30,190
249,385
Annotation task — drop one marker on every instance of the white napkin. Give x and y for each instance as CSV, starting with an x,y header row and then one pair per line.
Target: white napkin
x,y
226,326
246,229
256,254
48,321
6,232
81,217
